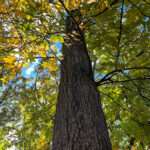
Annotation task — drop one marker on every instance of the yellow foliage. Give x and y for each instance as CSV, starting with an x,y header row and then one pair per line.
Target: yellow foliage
x,y
28,17
133,147
102,5
43,47
19,66
51,65
56,38
9,60
14,41
22,108
4,79
90,1
73,4
58,5
42,52
42,143
11,66
3,8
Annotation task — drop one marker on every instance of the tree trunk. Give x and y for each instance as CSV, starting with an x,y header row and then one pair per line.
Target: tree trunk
x,y
79,120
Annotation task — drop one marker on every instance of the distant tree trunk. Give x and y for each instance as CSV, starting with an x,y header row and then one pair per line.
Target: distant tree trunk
x,y
79,120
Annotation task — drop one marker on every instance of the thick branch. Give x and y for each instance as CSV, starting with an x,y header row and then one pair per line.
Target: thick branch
x,y
73,19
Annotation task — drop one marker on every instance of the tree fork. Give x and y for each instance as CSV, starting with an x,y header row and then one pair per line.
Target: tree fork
x,y
79,120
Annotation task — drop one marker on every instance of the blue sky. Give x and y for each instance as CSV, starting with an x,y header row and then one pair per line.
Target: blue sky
x,y
30,71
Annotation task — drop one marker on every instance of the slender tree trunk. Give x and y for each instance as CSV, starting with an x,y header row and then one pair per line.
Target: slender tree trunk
x,y
79,120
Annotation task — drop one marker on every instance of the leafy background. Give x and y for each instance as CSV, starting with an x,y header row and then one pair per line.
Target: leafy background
x,y
31,37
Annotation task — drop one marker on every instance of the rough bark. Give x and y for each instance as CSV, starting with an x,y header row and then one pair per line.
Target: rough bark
x,y
79,120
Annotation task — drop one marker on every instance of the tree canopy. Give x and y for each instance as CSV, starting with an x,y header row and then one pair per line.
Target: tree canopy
x,y
32,34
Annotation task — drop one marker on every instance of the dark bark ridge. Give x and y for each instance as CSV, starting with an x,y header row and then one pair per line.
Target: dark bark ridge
x,y
79,120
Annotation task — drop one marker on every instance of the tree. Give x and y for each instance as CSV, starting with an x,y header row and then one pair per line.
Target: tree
x,y
113,37
79,122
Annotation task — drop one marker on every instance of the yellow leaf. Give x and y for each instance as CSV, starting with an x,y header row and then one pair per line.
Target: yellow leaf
x,y
42,52
91,1
58,5
4,80
28,17
12,41
103,5
22,108
9,59
56,38
3,8
42,143
51,65
43,47
72,4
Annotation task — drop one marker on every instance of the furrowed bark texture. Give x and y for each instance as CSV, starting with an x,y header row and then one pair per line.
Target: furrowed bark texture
x,y
79,120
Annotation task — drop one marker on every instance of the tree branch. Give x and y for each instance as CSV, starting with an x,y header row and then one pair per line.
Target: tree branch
x,y
120,33
116,71
73,19
138,88
128,80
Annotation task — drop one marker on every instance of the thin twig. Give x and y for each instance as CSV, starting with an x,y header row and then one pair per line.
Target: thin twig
x,y
124,81
137,87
